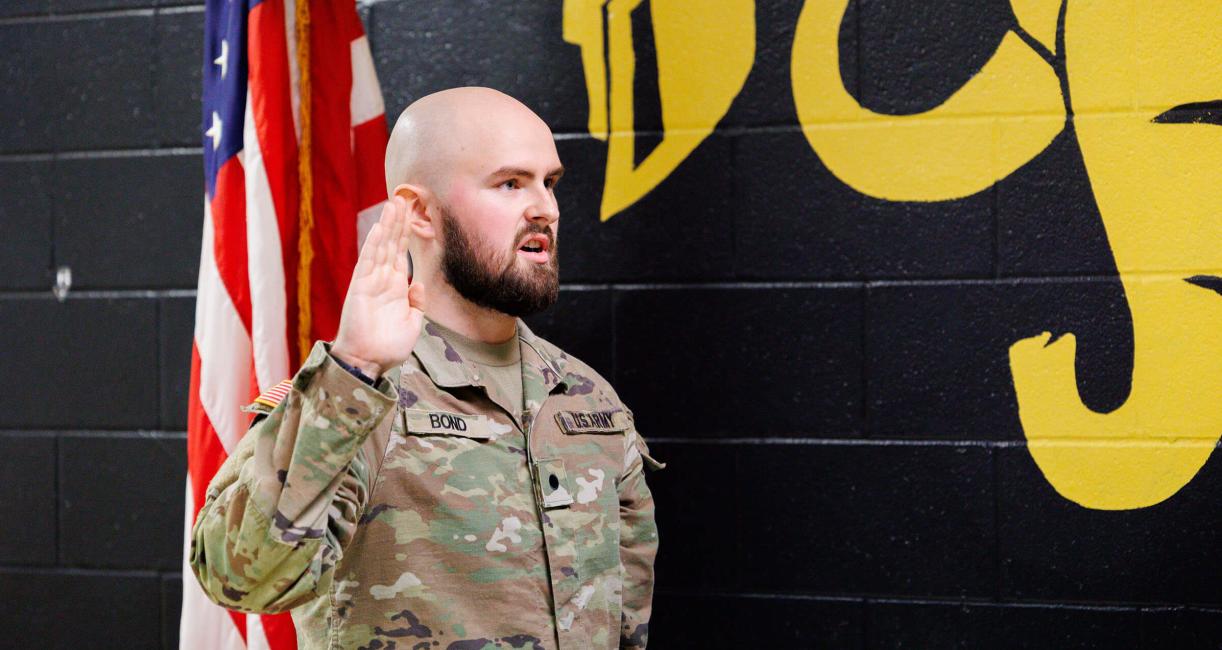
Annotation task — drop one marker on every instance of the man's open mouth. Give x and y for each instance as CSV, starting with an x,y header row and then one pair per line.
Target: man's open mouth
x,y
536,247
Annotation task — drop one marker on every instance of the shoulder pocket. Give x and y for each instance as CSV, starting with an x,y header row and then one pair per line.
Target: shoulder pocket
x,y
603,422
443,423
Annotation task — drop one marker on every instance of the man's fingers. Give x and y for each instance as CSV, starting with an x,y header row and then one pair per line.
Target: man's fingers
x,y
364,260
375,235
401,248
396,225
401,210
390,220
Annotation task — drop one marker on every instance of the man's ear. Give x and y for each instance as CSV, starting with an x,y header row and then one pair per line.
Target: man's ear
x,y
418,218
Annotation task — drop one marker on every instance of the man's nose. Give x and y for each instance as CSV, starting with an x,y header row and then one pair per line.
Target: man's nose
x,y
543,209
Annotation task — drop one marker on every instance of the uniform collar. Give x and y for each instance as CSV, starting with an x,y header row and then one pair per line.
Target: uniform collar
x,y
446,367
552,367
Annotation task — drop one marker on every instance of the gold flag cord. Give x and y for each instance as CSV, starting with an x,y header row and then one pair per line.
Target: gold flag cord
x,y
305,211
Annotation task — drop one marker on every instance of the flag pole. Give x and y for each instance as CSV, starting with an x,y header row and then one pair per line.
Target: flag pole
x,y
305,219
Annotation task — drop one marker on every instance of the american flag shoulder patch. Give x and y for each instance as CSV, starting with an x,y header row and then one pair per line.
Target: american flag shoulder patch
x,y
272,397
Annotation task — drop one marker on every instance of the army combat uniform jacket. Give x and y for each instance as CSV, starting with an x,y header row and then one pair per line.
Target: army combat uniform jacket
x,y
419,513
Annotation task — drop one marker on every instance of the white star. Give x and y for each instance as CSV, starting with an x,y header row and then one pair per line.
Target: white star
x,y
215,131
223,59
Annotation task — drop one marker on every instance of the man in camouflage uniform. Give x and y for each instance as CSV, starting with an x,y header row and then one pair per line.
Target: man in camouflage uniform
x,y
452,481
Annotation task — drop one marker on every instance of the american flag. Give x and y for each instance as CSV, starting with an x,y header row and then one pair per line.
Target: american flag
x,y
294,138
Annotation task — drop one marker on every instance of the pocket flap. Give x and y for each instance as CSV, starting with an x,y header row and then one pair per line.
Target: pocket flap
x,y
605,422
444,423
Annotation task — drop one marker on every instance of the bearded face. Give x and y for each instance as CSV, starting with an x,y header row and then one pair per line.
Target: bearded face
x,y
498,279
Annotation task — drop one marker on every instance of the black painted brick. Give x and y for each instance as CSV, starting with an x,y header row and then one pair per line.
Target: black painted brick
x,y
682,230
27,463
1182,628
828,518
646,95
73,6
422,47
25,224
999,627
766,98
697,515
23,8
175,332
31,102
79,610
1052,548
720,621
106,85
744,362
897,520
121,501
130,222
580,323
98,356
938,354
178,83
915,55
1047,220
794,220
171,609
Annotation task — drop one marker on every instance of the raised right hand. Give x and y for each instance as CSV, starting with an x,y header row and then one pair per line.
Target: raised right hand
x,y
382,314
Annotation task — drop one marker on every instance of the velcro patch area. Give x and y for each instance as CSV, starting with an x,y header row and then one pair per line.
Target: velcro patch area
x,y
552,482
272,397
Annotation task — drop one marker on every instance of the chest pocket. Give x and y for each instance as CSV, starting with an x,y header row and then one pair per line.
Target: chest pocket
x,y
445,442
465,463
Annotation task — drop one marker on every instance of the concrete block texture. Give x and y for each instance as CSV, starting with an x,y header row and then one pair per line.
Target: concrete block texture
x,y
31,101
801,238
101,352
755,621
653,240
28,462
136,521
75,609
106,86
26,224
950,625
130,221
741,362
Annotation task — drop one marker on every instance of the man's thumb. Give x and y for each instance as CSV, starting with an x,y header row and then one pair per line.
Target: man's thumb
x,y
415,297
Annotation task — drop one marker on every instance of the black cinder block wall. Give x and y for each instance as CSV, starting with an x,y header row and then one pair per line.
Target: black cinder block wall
x,y
100,169
825,372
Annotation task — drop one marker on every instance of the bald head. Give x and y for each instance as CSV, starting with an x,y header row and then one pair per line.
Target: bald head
x,y
450,130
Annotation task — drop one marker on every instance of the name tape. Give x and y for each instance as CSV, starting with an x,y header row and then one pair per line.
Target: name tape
x,y
448,424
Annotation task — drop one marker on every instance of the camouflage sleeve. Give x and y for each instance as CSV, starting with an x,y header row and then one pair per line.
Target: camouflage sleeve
x,y
638,542
283,506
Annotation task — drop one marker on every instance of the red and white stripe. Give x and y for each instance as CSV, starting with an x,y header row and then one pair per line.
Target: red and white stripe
x,y
246,325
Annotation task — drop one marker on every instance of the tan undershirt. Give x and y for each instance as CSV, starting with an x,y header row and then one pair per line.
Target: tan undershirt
x,y
500,364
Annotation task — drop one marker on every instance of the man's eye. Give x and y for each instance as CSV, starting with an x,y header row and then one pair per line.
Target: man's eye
x,y
511,184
